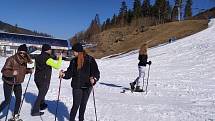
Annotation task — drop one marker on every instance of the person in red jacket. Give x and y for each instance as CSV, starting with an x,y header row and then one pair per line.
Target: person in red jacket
x,y
13,75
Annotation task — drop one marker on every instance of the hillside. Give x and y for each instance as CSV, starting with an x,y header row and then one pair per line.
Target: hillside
x,y
14,29
125,39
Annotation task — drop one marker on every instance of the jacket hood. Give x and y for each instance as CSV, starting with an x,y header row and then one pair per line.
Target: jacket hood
x,y
23,59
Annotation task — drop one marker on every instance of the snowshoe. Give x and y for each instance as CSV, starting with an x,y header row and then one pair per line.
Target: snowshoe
x,y
12,119
37,114
138,89
15,118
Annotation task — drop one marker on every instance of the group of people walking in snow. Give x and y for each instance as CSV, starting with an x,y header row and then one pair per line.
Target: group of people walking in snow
x,y
83,70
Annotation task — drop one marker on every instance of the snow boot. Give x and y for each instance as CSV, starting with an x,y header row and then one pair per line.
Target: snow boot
x,y
15,118
43,106
37,114
132,85
138,89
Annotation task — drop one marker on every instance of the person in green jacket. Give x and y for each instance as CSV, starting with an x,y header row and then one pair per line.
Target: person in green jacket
x,y
44,64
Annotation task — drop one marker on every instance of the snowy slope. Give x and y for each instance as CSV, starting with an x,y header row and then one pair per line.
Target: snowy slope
x,y
181,86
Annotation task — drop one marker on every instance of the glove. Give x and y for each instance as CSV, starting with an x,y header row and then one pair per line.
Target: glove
x,y
61,74
149,62
93,81
31,70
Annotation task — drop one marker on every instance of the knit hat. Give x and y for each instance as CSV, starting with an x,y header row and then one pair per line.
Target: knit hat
x,y
46,47
77,47
23,47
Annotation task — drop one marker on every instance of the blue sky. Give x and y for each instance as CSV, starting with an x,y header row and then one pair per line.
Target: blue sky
x,y
63,18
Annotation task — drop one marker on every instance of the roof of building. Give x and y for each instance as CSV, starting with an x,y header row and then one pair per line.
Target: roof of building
x,y
31,39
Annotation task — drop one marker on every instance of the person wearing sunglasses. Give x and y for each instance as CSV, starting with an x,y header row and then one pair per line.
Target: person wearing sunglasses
x,y
13,75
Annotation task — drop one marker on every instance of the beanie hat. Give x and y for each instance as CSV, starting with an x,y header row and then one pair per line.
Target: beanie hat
x,y
23,47
46,47
77,47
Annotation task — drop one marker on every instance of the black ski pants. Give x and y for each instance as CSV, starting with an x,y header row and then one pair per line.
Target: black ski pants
x,y
80,99
43,89
7,94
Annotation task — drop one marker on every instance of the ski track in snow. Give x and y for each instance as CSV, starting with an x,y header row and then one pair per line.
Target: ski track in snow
x,y
181,85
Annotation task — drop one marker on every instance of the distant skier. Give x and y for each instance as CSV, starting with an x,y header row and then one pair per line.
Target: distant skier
x,y
13,74
141,67
84,72
44,64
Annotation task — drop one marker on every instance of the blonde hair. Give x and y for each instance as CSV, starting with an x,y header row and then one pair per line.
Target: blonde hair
x,y
143,49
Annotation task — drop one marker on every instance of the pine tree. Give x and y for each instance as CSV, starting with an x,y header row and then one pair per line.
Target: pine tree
x,y
161,9
113,20
107,23
103,26
188,9
166,12
123,9
129,16
146,8
169,10
137,9
177,6
93,29
122,14
97,19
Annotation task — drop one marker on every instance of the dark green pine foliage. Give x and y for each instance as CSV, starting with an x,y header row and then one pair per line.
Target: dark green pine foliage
x,y
146,8
169,10
161,9
188,9
113,20
130,16
123,9
137,9
122,17
178,3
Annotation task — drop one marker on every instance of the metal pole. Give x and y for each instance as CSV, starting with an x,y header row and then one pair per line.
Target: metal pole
x,y
58,99
147,80
94,104
24,95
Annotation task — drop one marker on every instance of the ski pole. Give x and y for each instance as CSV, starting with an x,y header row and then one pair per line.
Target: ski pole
x,y
24,94
94,103
8,108
147,80
58,99
143,81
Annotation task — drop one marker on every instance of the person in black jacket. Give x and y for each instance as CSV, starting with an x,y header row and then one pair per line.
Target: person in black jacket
x,y
84,72
141,67
44,64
